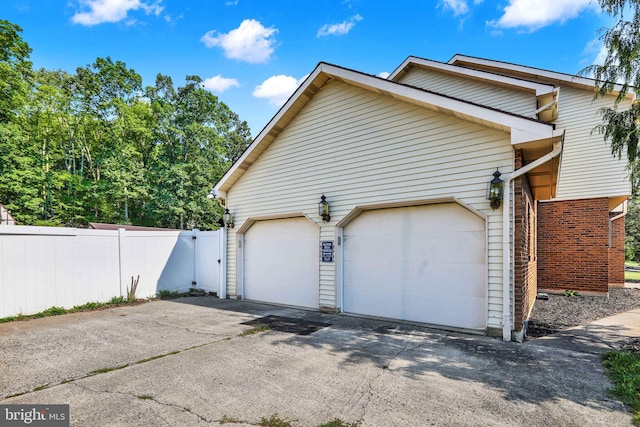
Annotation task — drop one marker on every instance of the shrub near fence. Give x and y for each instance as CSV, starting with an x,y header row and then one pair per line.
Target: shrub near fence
x,y
42,267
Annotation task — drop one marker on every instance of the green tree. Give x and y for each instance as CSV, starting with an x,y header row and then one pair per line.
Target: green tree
x,y
621,66
15,70
194,136
20,175
95,146
108,97
632,230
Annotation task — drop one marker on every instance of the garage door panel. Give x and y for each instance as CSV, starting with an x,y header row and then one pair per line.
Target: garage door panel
x,y
388,305
438,217
440,279
438,310
420,263
281,259
369,275
382,252
452,279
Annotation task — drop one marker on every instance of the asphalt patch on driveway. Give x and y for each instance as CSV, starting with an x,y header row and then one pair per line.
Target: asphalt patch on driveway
x,y
288,324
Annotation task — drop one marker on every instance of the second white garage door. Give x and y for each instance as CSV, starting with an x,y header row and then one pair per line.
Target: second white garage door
x,y
421,263
281,262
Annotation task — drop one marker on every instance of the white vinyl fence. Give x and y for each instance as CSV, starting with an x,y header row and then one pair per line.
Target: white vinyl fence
x,y
41,267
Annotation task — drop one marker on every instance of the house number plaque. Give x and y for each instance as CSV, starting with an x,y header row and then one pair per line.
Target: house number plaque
x,y
326,251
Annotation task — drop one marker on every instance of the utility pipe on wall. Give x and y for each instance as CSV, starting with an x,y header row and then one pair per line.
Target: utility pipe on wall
x,y
506,237
222,263
624,212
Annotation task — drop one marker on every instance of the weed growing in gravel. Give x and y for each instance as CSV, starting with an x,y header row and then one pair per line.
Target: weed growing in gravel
x,y
105,370
56,311
87,306
274,421
569,293
259,328
157,357
51,311
338,423
623,369
165,294
118,300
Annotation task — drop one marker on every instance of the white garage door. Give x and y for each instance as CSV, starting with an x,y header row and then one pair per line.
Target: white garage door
x,y
281,262
422,263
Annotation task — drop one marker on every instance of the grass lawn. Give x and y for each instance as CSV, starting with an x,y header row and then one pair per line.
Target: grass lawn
x,y
631,275
623,369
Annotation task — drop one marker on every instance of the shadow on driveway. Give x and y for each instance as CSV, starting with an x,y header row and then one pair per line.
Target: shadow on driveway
x,y
363,371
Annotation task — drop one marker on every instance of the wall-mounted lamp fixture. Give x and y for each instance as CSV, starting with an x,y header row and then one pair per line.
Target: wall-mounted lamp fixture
x,y
495,190
323,209
228,218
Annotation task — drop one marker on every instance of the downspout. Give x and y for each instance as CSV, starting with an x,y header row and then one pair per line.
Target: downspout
x,y
624,212
506,237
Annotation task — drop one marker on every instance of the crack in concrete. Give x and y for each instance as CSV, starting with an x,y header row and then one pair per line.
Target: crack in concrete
x,y
223,420
151,398
112,368
185,328
385,367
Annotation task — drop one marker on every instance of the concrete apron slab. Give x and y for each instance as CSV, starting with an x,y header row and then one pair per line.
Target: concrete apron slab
x,y
360,371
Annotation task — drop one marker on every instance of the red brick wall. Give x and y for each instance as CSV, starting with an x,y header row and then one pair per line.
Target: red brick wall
x,y
616,253
525,257
573,238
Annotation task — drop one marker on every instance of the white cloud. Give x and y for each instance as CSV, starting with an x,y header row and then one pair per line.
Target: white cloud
x,y
458,7
384,74
597,48
601,56
533,15
595,54
100,11
250,42
338,29
277,89
219,84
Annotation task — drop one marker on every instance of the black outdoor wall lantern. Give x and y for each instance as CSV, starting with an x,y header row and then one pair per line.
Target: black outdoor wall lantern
x,y
323,209
495,191
228,218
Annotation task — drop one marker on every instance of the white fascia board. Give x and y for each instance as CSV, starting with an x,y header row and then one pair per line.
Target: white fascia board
x,y
552,75
522,136
538,88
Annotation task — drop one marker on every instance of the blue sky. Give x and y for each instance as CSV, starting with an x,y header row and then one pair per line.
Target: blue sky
x,y
253,54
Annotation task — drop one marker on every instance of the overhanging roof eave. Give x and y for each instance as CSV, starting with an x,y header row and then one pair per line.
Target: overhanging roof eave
x,y
539,89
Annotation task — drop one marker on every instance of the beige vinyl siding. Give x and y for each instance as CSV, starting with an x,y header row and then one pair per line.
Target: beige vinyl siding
x,y
484,93
359,149
588,169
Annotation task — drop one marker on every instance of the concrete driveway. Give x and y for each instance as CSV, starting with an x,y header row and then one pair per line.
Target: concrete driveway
x,y
187,362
